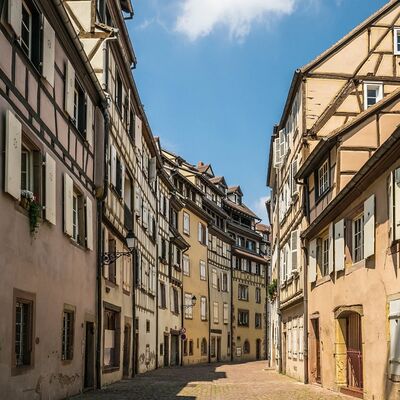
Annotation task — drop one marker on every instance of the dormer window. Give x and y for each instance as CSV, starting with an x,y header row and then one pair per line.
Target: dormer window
x,y
373,92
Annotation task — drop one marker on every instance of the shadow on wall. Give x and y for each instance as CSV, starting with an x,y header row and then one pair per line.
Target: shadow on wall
x,y
174,383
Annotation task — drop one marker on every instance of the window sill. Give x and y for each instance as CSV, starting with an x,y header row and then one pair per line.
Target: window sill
x,y
109,370
354,267
322,280
15,371
322,196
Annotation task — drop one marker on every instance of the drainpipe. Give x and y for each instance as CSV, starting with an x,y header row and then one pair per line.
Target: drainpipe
x,y
209,312
104,83
157,233
305,321
278,291
231,313
182,307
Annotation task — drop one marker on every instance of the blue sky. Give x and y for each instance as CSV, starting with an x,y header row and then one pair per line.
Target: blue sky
x,y
213,75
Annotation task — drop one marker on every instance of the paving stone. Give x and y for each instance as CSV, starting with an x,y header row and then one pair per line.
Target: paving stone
x,y
248,381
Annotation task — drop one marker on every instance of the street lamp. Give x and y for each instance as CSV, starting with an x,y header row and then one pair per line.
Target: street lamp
x,y
192,304
110,257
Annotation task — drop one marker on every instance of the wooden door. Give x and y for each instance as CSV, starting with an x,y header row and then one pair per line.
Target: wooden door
x,y
354,353
89,356
166,351
127,351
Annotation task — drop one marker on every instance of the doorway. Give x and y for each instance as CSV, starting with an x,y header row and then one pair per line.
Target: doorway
x,y
284,355
166,351
258,349
218,349
174,350
127,350
136,353
316,368
354,353
89,356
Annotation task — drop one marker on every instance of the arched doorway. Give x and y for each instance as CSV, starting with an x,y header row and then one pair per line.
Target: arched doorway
x,y
349,356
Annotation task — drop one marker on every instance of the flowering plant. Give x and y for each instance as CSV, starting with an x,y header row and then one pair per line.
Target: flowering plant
x,y
28,201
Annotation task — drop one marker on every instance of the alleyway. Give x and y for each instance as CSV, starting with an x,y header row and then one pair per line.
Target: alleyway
x,y
211,382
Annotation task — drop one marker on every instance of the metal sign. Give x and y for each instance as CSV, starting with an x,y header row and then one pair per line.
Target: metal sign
x,y
183,336
183,330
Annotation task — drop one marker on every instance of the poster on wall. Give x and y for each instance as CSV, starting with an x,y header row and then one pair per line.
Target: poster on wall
x,y
238,351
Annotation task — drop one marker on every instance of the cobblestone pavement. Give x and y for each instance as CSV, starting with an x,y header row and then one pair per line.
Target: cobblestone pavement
x,y
249,381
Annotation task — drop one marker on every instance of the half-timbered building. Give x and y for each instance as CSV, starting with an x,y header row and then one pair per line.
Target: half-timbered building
x,y
53,115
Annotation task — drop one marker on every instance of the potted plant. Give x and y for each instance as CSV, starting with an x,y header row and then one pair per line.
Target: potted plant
x,y
28,201
273,290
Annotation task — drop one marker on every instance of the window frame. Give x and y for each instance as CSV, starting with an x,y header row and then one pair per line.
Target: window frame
x,y
67,355
186,223
326,185
116,312
242,312
359,219
378,86
396,41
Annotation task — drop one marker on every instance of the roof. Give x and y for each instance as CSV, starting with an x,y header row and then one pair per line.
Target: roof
x,y
381,160
126,6
205,168
253,256
325,144
241,208
263,228
235,189
218,180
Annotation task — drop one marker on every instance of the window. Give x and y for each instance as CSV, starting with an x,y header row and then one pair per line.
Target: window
x,y
119,175
226,313
174,219
202,270
23,331
79,108
323,179
258,295
67,350
30,25
186,265
147,326
26,169
258,321
325,256
396,37
118,92
111,338
214,279
175,297
246,347
358,239
78,219
186,223
224,283
394,356
373,92
203,347
188,306
245,265
190,347
243,292
243,318
112,269
202,234
185,348
203,308
215,312
163,300
250,245
163,249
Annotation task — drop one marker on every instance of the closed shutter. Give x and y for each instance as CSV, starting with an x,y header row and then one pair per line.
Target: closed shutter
x,y
253,267
89,224
200,233
312,264
396,186
145,216
153,170
15,15
394,320
391,207
277,152
68,198
49,38
89,121
331,250
69,89
288,257
339,245
50,196
123,179
113,155
12,179
294,249
138,133
137,200
369,227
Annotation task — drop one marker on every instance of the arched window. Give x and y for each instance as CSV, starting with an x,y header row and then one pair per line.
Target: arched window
x,y
246,347
203,347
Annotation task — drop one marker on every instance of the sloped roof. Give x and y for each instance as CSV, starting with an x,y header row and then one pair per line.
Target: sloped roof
x,y
235,189
242,208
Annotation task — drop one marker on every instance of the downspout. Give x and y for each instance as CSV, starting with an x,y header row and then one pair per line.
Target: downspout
x,y
231,313
278,291
209,312
157,276
182,307
266,313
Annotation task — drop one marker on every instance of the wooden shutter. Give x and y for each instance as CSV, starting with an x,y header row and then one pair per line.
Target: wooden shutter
x,y
68,199
145,216
69,89
288,257
89,223
294,169
394,320
137,199
123,168
396,213
89,121
369,227
50,183
138,133
331,250
277,152
339,245
294,238
312,264
391,207
15,15
12,179
49,38
113,155
153,170
200,232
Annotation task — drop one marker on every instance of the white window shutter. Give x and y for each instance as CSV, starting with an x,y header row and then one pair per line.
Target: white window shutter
x,y
369,227
89,121
50,183
312,264
137,199
15,15
89,224
113,152
295,188
68,198
339,245
69,89
391,207
12,179
138,133
153,169
331,250
277,152
288,261
294,239
396,186
49,38
123,168
200,232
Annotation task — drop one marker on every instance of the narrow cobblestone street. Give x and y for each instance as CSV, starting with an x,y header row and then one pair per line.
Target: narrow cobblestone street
x,y
217,382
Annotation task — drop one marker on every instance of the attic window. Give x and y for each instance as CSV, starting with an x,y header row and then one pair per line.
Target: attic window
x,y
373,92
396,40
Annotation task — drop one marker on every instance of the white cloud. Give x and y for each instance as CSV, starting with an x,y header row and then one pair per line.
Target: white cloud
x,y
198,18
260,210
